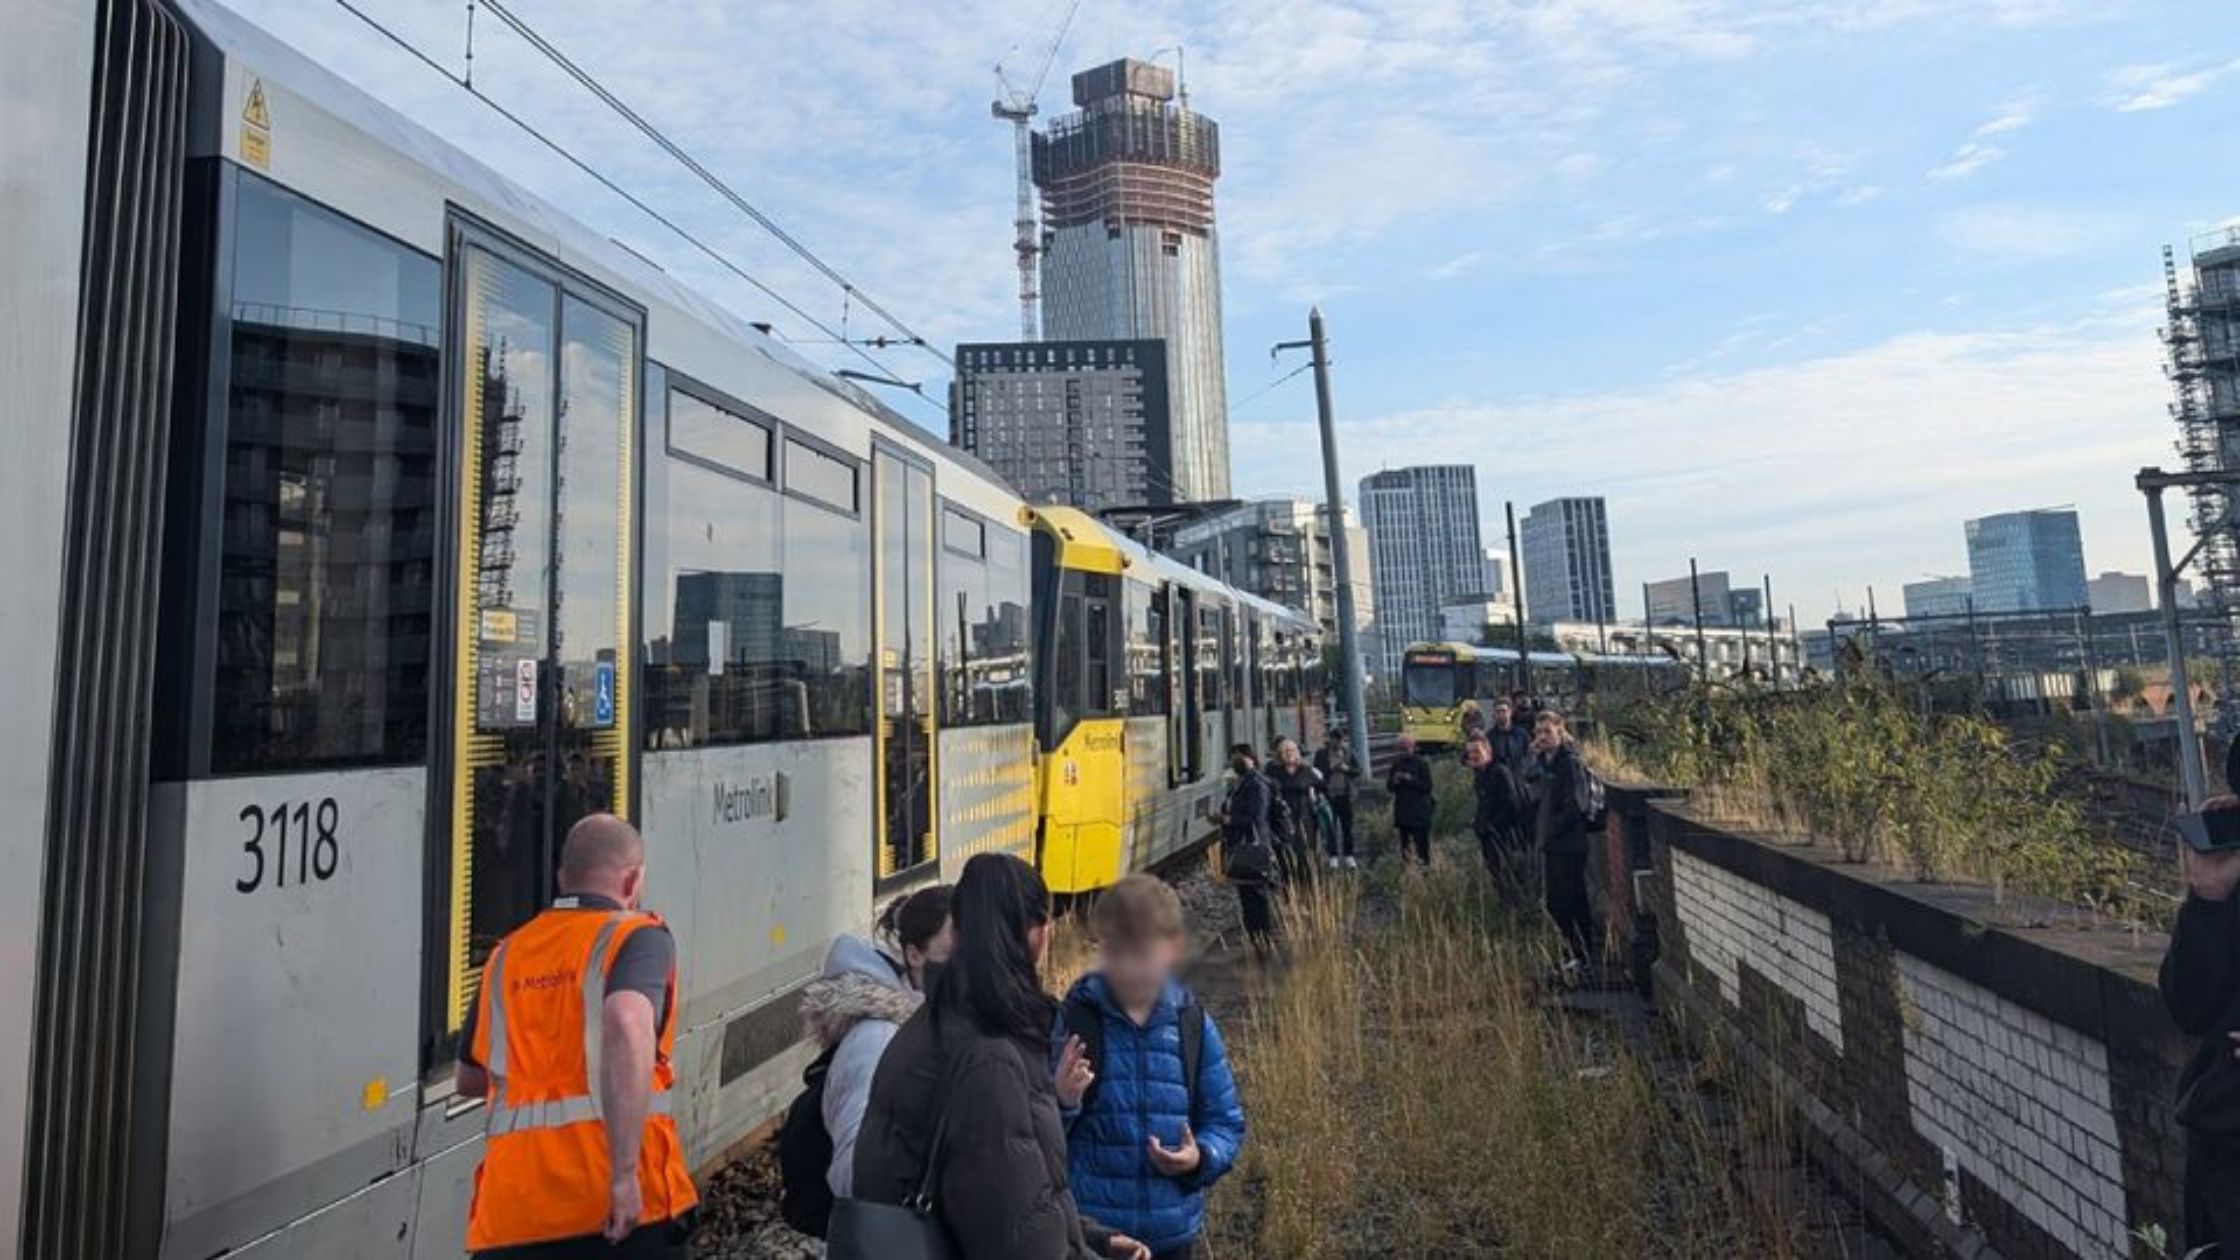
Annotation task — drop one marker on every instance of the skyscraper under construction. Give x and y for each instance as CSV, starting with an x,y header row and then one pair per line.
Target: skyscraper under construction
x,y
1129,250
2203,337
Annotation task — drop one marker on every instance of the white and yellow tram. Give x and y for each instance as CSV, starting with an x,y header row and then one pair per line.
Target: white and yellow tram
x,y
375,521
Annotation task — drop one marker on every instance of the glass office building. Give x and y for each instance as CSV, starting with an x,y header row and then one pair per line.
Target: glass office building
x,y
2026,562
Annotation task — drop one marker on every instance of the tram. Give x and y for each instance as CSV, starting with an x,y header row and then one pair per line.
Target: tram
x,y
1439,682
376,521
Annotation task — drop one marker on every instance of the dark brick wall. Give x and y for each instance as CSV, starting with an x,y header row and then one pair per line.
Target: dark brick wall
x,y
2096,985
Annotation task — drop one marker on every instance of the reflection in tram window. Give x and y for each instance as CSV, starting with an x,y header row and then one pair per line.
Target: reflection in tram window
x,y
592,689
1146,631
512,415
325,578
983,632
1209,661
735,652
825,639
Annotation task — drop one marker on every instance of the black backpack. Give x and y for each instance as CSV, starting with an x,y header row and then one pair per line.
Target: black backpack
x,y
1085,1019
805,1154
1589,796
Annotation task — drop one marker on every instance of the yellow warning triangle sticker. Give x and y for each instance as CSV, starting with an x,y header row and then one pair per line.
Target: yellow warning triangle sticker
x,y
254,112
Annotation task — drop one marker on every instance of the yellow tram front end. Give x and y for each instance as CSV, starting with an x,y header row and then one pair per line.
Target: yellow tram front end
x,y
1081,693
1437,682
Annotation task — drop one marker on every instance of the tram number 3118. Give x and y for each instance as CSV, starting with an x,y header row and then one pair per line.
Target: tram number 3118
x,y
309,827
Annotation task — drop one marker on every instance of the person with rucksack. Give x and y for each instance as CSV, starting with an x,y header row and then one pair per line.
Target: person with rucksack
x,y
851,1012
962,1152
1498,821
1152,1113
1248,846
1334,761
1570,808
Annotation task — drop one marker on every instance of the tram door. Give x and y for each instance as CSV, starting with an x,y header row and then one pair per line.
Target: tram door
x,y
547,372
904,611
1186,756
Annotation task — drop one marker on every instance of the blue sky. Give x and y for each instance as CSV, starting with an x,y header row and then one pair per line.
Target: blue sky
x,y
1797,284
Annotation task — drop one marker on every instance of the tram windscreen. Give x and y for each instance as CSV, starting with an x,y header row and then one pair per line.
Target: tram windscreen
x,y
1428,681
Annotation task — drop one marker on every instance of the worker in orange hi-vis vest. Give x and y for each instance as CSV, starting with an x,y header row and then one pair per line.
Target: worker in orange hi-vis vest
x,y
570,1041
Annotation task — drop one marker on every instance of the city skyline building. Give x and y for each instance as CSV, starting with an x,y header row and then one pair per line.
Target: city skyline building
x,y
1565,545
1672,602
2029,561
1496,581
1424,551
1279,548
1129,248
1089,423
1938,597
2114,592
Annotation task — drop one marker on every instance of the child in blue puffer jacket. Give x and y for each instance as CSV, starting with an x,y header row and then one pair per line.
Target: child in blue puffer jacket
x,y
1144,1140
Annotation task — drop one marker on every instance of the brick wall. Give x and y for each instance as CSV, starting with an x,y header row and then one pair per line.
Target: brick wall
x,y
2013,1079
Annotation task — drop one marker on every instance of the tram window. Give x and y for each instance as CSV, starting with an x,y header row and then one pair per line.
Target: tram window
x,y
983,618
964,534
1007,636
714,609
1084,646
823,641
701,431
1209,660
1096,658
1144,659
1283,678
327,544
828,479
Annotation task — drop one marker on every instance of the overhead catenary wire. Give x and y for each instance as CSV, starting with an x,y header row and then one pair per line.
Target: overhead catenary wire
x,y
684,158
1269,388
636,202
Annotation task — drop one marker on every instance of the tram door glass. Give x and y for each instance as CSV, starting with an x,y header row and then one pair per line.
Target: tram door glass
x,y
1183,729
902,515
542,688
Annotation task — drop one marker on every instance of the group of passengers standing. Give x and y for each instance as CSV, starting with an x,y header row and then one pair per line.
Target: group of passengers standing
x,y
1526,776
966,1108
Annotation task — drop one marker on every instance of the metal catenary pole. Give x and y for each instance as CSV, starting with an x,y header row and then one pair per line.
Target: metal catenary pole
x,y
1349,640
1516,580
1773,645
1695,593
2152,482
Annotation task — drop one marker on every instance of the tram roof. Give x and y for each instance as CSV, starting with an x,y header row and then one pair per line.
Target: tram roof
x,y
1093,544
474,185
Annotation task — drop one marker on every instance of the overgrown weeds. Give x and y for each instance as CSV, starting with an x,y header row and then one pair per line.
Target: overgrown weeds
x,y
1853,765
1413,1091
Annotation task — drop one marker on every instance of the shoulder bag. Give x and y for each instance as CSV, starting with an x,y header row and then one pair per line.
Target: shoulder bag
x,y
909,1230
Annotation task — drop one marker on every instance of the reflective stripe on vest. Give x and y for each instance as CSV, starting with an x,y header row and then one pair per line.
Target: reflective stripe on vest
x,y
559,1112
494,984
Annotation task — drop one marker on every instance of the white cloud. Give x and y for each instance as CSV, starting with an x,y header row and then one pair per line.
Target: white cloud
x,y
2009,231
1979,152
2132,89
1970,158
1460,265
1850,468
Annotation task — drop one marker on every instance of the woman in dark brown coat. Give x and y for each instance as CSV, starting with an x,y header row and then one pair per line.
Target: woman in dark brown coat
x,y
978,1052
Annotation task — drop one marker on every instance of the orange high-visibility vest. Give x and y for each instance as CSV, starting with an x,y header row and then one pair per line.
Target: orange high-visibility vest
x,y
538,1030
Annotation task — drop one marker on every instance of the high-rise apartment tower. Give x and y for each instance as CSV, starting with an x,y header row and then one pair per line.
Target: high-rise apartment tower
x,y
1423,551
1129,249
1566,546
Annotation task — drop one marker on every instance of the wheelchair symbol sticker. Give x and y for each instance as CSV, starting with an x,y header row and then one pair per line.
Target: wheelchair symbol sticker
x,y
602,701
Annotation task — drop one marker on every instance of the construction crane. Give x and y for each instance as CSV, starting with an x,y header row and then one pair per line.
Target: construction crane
x,y
1017,107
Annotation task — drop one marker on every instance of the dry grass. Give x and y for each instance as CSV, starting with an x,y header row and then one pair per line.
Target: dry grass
x,y
1412,1093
